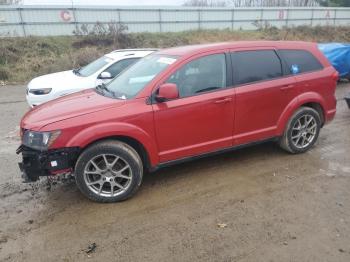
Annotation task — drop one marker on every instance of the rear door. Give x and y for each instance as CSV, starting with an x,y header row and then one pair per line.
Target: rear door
x,y
201,119
262,93
306,70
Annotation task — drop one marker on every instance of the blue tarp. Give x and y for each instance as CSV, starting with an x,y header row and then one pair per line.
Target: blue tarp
x,y
339,56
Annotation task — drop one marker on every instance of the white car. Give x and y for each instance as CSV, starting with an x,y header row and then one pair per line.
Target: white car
x,y
47,87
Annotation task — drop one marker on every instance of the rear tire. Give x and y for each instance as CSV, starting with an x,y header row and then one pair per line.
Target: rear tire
x,y
302,131
109,171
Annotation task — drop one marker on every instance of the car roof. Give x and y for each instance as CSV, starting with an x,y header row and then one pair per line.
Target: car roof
x,y
126,53
194,49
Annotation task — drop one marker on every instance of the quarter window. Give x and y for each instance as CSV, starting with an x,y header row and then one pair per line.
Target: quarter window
x,y
253,66
303,60
200,75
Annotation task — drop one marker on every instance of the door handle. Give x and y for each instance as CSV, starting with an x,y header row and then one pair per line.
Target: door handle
x,y
225,100
286,87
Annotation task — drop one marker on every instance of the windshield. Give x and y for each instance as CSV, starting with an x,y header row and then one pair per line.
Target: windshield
x,y
129,83
94,66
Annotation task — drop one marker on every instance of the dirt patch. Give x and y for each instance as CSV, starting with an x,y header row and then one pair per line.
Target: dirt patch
x,y
255,204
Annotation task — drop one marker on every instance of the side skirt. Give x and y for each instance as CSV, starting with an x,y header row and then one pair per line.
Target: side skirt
x,y
213,153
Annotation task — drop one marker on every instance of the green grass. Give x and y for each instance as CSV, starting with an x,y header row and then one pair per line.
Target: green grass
x,y
21,59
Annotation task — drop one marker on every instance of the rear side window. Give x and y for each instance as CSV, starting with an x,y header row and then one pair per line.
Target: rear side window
x,y
253,66
300,61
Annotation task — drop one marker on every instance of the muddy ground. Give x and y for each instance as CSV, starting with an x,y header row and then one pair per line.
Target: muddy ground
x,y
255,204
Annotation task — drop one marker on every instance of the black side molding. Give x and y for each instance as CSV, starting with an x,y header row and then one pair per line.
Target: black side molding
x,y
213,153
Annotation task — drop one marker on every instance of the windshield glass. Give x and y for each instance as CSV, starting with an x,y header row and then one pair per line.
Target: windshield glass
x,y
94,66
129,83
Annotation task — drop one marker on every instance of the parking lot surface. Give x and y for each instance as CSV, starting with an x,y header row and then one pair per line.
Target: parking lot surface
x,y
254,204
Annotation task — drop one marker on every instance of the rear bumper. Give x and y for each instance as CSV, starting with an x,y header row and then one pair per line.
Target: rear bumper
x,y
37,163
330,115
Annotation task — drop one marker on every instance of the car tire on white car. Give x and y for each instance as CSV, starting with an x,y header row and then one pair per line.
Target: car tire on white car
x,y
109,171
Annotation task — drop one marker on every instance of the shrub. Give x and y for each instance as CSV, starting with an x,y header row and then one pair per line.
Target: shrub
x,y
4,73
111,34
21,59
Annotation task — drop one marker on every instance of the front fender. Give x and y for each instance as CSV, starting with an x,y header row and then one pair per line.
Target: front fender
x,y
105,130
297,102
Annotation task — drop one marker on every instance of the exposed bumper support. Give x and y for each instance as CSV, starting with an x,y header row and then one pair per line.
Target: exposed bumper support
x,y
37,163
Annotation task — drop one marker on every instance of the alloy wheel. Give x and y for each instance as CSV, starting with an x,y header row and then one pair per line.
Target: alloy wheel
x,y
108,175
304,131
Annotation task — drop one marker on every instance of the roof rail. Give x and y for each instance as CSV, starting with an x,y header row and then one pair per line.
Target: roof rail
x,y
135,49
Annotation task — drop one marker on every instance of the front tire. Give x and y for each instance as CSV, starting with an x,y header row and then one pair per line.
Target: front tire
x,y
302,131
109,171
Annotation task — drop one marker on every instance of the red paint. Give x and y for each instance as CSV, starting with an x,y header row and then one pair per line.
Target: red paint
x,y
65,15
168,91
192,125
328,14
281,14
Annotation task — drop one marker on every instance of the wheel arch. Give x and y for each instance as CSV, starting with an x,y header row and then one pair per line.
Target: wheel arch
x,y
134,143
310,99
135,137
318,107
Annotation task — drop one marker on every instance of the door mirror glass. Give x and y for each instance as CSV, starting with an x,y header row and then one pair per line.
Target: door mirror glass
x,y
105,75
167,91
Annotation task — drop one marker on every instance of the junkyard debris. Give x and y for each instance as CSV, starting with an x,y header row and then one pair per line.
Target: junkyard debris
x,y
91,248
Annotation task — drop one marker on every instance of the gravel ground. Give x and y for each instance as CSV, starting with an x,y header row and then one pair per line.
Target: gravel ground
x,y
255,204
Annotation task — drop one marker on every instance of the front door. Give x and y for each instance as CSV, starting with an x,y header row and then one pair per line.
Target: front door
x,y
201,119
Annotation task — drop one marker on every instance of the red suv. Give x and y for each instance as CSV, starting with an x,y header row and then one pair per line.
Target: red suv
x,y
176,105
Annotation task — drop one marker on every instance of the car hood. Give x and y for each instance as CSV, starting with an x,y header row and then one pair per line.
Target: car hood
x,y
81,103
60,80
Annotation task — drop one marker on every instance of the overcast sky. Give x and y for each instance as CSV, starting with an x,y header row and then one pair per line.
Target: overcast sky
x,y
104,2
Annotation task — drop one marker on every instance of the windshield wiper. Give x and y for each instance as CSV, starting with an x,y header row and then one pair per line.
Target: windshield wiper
x,y
76,71
102,87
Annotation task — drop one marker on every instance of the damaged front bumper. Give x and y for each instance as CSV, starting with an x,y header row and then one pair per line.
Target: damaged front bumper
x,y
37,163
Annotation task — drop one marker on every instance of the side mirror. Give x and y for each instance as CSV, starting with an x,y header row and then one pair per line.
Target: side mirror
x,y
167,91
105,75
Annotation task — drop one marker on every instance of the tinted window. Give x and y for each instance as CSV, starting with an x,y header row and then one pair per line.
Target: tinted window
x,y
200,75
303,60
252,66
117,67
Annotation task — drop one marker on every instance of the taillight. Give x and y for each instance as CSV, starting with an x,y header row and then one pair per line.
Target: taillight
x,y
335,76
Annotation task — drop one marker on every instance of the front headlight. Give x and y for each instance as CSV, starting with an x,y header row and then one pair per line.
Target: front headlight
x,y
39,140
41,91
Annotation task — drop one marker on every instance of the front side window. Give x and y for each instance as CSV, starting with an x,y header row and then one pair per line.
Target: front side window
x,y
300,61
200,75
254,66
94,66
119,66
130,82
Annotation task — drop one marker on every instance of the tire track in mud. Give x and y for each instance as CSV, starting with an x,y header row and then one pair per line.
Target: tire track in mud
x,y
249,187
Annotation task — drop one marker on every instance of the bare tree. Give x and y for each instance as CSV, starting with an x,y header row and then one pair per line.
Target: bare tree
x,y
253,3
206,3
275,3
11,2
